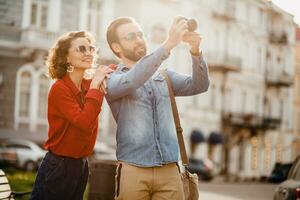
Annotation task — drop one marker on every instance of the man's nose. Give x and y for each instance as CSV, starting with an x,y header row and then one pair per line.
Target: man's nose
x,y
139,39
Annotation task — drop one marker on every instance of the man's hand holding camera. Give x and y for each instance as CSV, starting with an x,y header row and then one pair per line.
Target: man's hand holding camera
x,y
194,40
176,32
183,29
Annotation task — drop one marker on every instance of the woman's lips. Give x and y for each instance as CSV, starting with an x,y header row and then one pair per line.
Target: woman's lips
x,y
88,60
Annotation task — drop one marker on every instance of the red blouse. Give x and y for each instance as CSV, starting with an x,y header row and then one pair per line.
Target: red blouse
x,y
73,118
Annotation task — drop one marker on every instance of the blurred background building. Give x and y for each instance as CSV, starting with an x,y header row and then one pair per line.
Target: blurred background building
x,y
296,143
248,44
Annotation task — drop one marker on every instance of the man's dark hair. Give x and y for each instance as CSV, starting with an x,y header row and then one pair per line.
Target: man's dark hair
x,y
111,34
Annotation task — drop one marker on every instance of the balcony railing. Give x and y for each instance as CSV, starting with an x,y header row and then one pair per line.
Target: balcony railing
x,y
278,38
39,38
227,13
283,79
224,62
10,33
271,122
242,119
246,120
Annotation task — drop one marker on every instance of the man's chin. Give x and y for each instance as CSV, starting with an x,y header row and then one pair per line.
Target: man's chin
x,y
140,54
136,57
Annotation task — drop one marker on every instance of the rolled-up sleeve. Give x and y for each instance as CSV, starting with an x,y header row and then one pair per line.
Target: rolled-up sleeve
x,y
198,82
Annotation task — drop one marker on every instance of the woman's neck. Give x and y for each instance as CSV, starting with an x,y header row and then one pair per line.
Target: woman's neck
x,y
76,76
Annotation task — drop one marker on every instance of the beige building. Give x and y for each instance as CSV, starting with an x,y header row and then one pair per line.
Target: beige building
x,y
296,144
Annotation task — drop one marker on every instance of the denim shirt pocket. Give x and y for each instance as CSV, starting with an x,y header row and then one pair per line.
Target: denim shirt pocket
x,y
137,94
161,85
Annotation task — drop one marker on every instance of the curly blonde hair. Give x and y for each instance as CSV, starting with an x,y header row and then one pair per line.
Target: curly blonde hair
x,y
57,58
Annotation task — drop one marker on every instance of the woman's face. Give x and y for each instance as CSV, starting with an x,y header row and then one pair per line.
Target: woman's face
x,y
81,54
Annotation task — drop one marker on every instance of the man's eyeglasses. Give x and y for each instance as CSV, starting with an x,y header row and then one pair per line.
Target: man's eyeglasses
x,y
134,35
84,49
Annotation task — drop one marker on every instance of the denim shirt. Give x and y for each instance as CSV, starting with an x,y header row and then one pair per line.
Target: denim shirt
x,y
140,104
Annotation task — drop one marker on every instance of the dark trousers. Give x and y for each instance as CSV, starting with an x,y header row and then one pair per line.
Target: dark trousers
x,y
60,177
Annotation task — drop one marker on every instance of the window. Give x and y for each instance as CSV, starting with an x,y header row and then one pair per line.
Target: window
x,y
43,96
281,108
260,18
25,94
94,16
227,99
213,97
32,88
268,107
217,43
278,60
39,13
244,98
257,104
258,61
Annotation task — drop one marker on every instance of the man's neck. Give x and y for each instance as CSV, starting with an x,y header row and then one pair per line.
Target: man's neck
x,y
128,63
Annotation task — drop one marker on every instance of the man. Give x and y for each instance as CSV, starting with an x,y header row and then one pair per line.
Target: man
x,y
147,148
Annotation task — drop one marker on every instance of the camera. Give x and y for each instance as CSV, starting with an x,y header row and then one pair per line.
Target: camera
x,y
192,24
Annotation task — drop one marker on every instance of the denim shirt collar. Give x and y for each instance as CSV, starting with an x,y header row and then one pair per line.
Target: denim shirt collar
x,y
122,67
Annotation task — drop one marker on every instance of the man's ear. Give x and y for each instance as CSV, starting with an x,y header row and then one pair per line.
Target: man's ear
x,y
116,47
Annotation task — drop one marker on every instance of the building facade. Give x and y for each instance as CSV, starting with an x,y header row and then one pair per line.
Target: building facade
x,y
248,44
296,142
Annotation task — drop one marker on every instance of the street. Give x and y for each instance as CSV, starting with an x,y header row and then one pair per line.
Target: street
x,y
218,189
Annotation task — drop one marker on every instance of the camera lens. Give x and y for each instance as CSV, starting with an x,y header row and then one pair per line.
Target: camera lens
x,y
192,25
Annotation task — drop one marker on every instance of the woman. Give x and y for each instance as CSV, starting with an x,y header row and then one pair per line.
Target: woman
x,y
74,104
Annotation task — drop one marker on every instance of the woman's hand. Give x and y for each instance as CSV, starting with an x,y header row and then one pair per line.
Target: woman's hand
x,y
98,81
103,86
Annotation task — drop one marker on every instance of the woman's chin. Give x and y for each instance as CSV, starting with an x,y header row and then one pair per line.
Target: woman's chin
x,y
87,65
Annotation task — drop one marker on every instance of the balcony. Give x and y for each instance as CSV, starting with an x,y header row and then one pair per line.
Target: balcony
x,y
223,62
280,39
38,38
242,120
246,120
227,13
10,33
271,122
30,37
279,79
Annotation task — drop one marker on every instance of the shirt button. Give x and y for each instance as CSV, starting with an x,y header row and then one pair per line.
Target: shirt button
x,y
149,92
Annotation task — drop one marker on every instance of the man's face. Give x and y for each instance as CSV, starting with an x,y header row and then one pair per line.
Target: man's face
x,y
131,41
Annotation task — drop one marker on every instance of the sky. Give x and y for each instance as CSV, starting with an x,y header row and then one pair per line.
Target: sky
x,y
291,6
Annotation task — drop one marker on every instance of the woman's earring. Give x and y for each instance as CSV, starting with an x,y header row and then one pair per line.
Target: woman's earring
x,y
70,68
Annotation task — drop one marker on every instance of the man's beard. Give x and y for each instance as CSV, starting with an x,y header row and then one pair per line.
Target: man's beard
x,y
135,54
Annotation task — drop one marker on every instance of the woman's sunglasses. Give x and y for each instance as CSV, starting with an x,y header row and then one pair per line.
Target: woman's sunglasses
x,y
84,49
